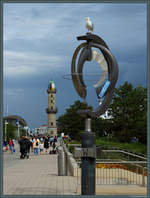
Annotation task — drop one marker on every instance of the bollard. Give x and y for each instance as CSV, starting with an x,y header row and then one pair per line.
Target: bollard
x,y
61,162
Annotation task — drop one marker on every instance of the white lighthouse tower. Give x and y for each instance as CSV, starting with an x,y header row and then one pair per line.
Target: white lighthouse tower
x,y
51,110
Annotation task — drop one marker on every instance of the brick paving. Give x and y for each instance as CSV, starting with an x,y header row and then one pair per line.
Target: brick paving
x,y
38,175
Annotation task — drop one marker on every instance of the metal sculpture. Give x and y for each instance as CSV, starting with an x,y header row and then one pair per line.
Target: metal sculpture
x,y
104,90
108,64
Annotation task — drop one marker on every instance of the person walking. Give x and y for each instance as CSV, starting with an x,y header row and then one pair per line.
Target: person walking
x,y
54,148
23,147
46,144
41,147
10,145
51,139
55,139
36,143
29,144
32,140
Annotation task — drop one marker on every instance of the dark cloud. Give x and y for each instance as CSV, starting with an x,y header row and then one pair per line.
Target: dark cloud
x,y
41,38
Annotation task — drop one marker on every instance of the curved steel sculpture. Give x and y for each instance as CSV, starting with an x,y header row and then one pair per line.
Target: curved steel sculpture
x,y
108,64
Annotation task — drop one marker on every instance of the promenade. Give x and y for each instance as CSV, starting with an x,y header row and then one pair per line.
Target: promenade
x,y
38,175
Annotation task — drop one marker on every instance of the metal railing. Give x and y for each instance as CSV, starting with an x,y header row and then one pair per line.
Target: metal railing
x,y
117,167
118,154
113,153
118,173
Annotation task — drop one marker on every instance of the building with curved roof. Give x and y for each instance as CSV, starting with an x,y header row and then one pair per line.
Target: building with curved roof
x,y
14,118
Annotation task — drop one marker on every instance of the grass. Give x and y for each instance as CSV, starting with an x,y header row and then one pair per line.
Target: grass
x,y
131,147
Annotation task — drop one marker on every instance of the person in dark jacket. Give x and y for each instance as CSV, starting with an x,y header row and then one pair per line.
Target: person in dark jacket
x,y
55,139
23,147
46,144
29,145
54,148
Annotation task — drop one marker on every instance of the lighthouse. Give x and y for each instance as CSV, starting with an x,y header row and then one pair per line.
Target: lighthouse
x,y
51,110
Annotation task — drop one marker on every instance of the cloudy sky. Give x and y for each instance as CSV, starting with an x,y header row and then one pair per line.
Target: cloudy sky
x,y
40,39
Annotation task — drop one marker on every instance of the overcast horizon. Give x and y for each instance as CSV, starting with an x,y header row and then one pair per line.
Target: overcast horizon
x,y
40,39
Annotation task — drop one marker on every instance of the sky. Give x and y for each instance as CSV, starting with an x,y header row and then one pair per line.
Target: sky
x,y
39,42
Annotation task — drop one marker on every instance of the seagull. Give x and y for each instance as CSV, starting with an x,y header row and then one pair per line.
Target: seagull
x,y
89,24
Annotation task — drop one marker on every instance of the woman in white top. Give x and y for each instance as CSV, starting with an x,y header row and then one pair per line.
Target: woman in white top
x,y
36,144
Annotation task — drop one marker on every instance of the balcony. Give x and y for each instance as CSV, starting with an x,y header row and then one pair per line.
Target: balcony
x,y
51,91
48,110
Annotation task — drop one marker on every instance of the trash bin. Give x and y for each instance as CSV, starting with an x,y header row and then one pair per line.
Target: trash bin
x,y
61,162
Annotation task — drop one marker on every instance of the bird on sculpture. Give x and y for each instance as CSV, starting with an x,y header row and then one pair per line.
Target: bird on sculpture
x,y
89,24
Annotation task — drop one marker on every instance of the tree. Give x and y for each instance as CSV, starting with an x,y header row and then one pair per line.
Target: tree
x,y
140,114
22,132
71,123
128,112
10,131
99,126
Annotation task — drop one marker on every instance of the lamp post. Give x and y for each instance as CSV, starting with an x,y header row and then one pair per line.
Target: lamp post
x,y
6,129
17,122
27,130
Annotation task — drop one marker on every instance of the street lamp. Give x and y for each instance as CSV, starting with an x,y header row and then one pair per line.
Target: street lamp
x,y
26,128
17,122
6,129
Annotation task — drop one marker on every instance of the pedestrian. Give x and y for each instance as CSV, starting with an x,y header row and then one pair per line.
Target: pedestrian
x,y
46,144
41,147
55,139
54,148
29,145
4,145
36,143
23,147
32,140
51,139
10,145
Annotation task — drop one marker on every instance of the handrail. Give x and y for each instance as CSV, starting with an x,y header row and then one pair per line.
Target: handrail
x,y
117,162
125,153
118,150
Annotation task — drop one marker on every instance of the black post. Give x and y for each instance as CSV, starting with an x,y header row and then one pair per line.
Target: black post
x,y
88,163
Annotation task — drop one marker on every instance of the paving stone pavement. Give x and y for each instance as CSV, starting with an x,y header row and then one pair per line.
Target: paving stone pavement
x,y
37,176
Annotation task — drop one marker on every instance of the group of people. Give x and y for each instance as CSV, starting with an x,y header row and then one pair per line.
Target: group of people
x,y
9,145
37,145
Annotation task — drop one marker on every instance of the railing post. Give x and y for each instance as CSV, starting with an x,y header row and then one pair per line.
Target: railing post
x,y
143,177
